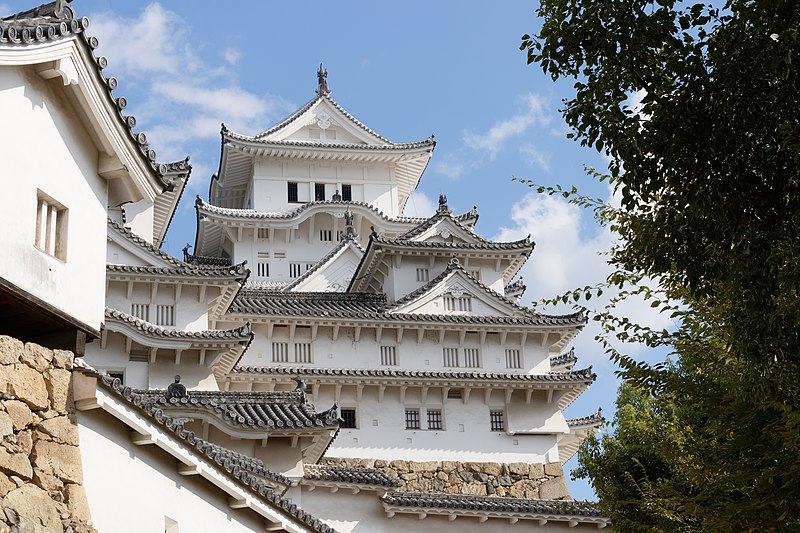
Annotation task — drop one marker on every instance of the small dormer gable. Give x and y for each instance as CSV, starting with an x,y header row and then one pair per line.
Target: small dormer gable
x,y
447,229
334,272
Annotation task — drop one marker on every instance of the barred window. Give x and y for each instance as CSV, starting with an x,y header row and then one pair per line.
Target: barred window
x,y
463,303
472,357
423,274
325,235
348,418
280,352
165,315
450,356
141,311
347,193
389,355
412,418
455,394
291,191
295,269
319,191
51,227
434,419
263,269
497,420
302,352
263,233
513,358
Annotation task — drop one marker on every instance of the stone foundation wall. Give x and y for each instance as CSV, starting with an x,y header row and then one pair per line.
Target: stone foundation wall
x,y
40,464
516,480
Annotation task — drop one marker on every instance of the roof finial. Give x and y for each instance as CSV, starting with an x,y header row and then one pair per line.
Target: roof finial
x,y
176,389
322,81
349,230
443,205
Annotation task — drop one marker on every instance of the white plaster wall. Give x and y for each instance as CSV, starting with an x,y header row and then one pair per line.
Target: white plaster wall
x,y
131,488
139,218
47,149
116,255
345,352
191,314
363,513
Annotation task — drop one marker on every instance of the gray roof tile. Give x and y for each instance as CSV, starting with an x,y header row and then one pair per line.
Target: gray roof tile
x,y
492,504
241,334
359,476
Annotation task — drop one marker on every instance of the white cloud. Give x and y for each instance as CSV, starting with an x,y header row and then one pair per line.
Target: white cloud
x,y
419,205
232,55
492,141
449,166
569,253
533,156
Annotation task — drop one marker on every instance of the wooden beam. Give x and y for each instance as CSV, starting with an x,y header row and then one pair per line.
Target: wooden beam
x,y
141,439
424,393
237,503
483,337
381,390
465,394
420,335
335,333
487,395
357,333
188,470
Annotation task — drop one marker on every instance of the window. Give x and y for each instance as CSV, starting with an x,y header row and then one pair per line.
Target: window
x,y
325,235
262,269
281,254
117,374
455,394
389,355
450,356
291,191
309,266
434,419
51,227
475,273
472,357
263,233
319,191
302,352
451,303
348,418
165,315
294,270
423,274
513,358
280,352
412,418
347,193
141,311
497,420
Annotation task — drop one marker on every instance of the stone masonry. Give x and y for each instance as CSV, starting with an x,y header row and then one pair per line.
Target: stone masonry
x,y
517,480
40,464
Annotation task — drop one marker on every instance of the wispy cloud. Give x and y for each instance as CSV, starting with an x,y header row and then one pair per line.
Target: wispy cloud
x,y
534,156
232,56
534,112
419,205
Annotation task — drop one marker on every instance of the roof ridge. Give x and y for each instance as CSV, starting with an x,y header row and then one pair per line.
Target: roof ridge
x,y
345,241
238,270
142,243
243,332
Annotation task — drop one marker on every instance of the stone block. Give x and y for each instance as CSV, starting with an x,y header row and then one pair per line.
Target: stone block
x,y
424,466
473,489
500,491
10,350
536,471
36,356
505,481
16,464
24,383
48,482
61,428
554,489
438,485
6,485
77,504
450,466
466,476
442,476
399,465
519,469
6,425
480,476
473,467
493,469
35,511
380,463
59,389
553,469
63,359
60,460
20,413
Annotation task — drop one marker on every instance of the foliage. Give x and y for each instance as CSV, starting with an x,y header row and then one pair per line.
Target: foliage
x,y
708,172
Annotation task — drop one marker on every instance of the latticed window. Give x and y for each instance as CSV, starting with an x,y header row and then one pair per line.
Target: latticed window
x,y
291,191
165,315
263,233
347,193
262,266
513,358
472,357
319,191
51,227
389,355
348,418
302,352
325,235
412,418
280,352
423,274
497,420
295,269
434,419
462,303
450,356
141,311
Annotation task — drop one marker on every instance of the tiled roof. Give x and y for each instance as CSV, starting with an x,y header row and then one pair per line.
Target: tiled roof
x,y
577,376
358,476
241,334
211,452
439,215
521,245
238,461
595,419
369,306
345,242
391,147
492,504
55,21
251,410
565,360
182,168
515,288
132,237
239,271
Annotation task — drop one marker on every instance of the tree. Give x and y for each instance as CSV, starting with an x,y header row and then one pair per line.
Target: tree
x,y
708,169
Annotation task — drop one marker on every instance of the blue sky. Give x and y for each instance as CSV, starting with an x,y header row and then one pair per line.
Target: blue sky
x,y
406,69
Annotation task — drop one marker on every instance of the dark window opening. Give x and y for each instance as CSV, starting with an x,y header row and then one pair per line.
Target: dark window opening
x,y
347,193
497,421
434,419
348,418
319,192
412,418
291,190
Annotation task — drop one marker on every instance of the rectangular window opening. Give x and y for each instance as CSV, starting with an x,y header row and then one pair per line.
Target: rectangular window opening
x,y
319,192
325,235
434,419
423,275
51,227
497,420
295,269
280,352
302,352
455,394
347,193
412,418
141,311
513,358
348,417
472,357
263,233
165,315
389,355
450,357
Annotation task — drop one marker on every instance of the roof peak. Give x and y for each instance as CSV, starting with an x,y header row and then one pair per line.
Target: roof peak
x,y
322,81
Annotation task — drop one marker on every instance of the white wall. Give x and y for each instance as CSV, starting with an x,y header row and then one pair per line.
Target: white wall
x,y
48,149
131,488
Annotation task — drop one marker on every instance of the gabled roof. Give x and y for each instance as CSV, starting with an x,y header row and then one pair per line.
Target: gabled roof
x,y
515,289
579,429
564,361
221,467
435,288
141,248
177,175
329,263
443,214
235,272
361,144
41,36
235,335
